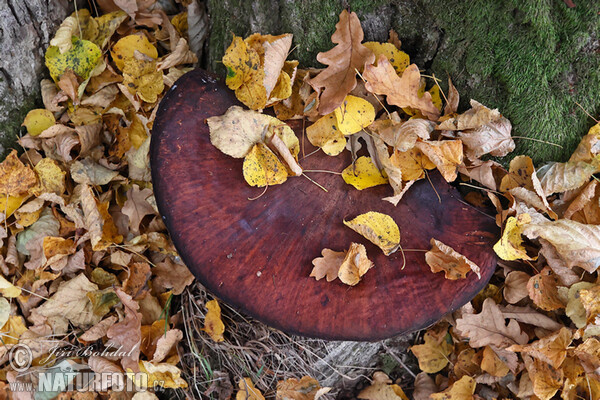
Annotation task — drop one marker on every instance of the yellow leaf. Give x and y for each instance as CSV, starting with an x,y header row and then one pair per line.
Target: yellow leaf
x,y
325,133
442,257
160,374
382,391
126,47
81,59
51,177
492,364
546,380
212,321
12,330
551,349
38,120
510,246
141,77
354,114
363,174
433,354
107,25
519,174
447,155
436,97
575,310
379,228
262,167
8,289
462,389
399,59
16,178
355,265
9,204
54,246
245,74
247,391
412,163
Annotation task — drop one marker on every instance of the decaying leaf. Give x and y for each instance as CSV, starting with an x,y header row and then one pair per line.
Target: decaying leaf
x,y
543,290
446,155
15,177
442,257
551,349
262,167
380,229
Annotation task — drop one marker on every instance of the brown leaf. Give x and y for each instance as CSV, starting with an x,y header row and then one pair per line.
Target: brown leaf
x,y
171,275
492,138
488,173
424,386
339,78
400,91
139,273
166,343
543,290
136,207
474,118
453,99
294,389
546,380
97,331
180,55
559,177
488,328
528,315
328,265
515,286
220,385
127,332
69,84
492,364
15,177
551,349
444,258
462,389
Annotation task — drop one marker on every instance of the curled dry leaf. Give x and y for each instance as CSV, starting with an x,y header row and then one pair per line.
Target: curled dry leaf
x,y
247,390
380,229
559,177
460,390
15,177
348,56
442,257
399,91
543,290
492,138
348,265
510,246
446,155
474,118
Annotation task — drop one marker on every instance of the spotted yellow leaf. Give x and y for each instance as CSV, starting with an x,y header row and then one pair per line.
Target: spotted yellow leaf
x,y
363,174
126,47
354,114
326,134
510,246
399,59
262,167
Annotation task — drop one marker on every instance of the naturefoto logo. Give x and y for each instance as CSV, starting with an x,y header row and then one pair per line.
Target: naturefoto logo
x,y
67,375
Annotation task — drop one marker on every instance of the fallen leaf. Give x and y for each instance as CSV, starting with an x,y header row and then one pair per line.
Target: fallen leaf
x,y
212,321
446,155
546,380
575,309
476,117
262,167
181,55
492,364
489,328
247,391
515,286
355,265
51,177
136,207
171,275
591,301
294,389
400,91
442,257
161,374
354,114
8,289
363,174
413,163
245,74
578,244
543,290
328,265
126,333
551,349
559,177
462,389
492,138
424,386
339,78
510,246
126,47
38,120
16,178
324,133
380,229
382,391
396,57
434,352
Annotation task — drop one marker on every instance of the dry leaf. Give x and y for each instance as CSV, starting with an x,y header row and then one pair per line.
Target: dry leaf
x,y
559,177
15,177
424,387
136,207
543,290
551,349
433,354
462,389
442,257
380,229
510,246
247,391
546,380
474,118
339,78
400,91
262,167
328,265
355,265
492,138
492,364
127,333
354,114
489,328
294,389
363,174
212,321
171,275
515,286
446,155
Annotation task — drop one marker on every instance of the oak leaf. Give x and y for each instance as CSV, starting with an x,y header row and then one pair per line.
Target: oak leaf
x,y
380,229
442,257
489,328
339,78
328,265
400,91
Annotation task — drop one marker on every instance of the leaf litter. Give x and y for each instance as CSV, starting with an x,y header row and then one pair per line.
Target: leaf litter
x,y
79,203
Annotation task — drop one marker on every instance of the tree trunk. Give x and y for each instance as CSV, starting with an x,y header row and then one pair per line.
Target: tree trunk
x,y
26,27
531,60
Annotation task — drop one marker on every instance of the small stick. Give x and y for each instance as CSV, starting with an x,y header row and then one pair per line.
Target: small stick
x,y
536,140
286,154
587,113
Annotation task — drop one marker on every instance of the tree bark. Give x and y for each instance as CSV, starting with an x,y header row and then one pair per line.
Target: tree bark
x,y
26,28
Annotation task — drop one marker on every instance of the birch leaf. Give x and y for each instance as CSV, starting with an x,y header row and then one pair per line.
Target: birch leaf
x,y
380,229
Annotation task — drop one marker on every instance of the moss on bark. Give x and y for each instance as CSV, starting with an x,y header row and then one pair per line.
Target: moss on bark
x,y
533,60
